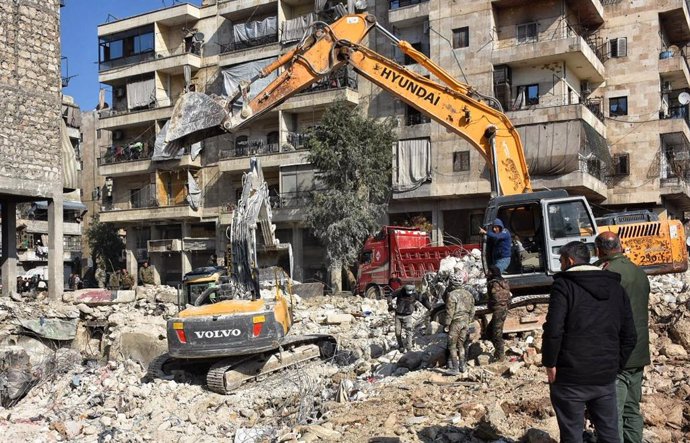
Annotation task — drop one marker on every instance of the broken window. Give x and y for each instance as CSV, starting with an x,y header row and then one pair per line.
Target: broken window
x,y
618,106
527,33
415,117
461,161
461,37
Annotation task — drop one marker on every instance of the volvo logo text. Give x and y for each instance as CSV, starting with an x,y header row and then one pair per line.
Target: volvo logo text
x,y
218,334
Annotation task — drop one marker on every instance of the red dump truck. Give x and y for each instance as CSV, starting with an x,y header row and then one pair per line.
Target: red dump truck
x,y
402,253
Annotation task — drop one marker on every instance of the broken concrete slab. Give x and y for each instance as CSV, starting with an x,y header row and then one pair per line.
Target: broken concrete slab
x,y
15,374
102,297
308,290
51,328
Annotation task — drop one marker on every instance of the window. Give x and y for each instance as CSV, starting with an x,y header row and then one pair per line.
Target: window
x,y
618,106
532,95
461,161
622,164
569,219
618,47
527,33
414,117
272,140
461,37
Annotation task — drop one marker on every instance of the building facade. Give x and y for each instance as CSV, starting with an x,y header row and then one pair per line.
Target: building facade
x,y
31,159
598,103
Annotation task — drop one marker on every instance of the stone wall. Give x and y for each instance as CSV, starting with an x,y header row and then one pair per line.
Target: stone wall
x,y
30,159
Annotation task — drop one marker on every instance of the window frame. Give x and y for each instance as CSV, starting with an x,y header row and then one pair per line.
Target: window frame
x,y
618,100
461,161
527,38
461,35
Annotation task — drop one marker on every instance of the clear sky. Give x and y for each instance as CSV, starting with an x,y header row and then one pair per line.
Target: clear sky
x,y
79,21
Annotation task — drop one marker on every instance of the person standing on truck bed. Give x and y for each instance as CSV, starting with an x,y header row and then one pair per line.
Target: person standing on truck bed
x,y
629,380
500,243
405,304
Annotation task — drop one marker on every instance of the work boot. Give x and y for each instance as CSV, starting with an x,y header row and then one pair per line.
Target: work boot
x,y
499,355
461,367
452,367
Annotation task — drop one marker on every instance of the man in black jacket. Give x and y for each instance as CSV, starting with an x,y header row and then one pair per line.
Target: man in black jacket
x,y
588,336
406,303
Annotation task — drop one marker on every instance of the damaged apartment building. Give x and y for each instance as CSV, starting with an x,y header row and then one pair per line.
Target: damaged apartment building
x,y
599,91
38,137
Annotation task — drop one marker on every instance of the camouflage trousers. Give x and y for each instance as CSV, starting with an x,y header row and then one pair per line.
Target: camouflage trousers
x,y
494,330
404,328
457,336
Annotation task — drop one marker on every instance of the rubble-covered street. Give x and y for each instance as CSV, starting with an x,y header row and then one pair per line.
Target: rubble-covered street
x,y
94,386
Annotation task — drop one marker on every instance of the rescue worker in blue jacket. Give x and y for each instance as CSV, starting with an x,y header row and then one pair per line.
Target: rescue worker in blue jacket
x,y
500,244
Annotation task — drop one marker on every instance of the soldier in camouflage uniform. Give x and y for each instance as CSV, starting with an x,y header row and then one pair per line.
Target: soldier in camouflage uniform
x,y
499,299
459,314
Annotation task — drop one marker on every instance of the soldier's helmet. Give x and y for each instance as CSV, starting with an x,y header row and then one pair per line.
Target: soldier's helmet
x,y
409,290
457,279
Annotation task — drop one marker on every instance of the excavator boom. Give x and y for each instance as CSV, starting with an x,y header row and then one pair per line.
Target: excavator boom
x,y
328,48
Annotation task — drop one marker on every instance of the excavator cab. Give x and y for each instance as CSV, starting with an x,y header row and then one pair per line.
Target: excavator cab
x,y
540,223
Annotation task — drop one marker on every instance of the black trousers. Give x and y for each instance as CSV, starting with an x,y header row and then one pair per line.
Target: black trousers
x,y
569,402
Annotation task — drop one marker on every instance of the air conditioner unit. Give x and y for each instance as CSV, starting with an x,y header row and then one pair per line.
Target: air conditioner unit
x,y
118,134
666,86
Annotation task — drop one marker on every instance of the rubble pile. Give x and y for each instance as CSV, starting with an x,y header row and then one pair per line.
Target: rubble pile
x,y
90,382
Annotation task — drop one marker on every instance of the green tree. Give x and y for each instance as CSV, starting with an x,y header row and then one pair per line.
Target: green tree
x,y
353,157
106,246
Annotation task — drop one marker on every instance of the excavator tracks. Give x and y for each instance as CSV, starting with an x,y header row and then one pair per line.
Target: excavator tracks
x,y
228,374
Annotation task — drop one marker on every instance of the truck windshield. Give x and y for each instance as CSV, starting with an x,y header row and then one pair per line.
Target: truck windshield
x,y
569,219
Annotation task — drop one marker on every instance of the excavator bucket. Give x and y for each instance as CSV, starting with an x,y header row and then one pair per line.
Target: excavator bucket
x,y
196,116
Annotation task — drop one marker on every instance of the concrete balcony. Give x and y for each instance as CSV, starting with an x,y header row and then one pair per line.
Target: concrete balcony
x,y
268,161
674,18
199,244
133,118
576,183
573,50
319,100
231,56
41,227
164,245
675,191
589,12
675,130
674,69
168,62
31,255
176,15
134,167
154,214
404,12
550,109
237,10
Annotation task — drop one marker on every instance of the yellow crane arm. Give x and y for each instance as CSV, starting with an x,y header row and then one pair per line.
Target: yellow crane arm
x,y
452,104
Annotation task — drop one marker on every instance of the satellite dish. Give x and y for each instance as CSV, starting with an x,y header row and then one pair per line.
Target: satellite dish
x,y
198,37
684,98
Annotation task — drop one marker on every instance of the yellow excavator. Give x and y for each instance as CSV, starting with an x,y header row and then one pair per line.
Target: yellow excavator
x,y
548,219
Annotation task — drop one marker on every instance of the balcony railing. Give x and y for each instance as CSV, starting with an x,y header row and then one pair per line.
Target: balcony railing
x,y
248,149
297,199
344,78
595,104
124,61
397,4
251,43
126,153
679,112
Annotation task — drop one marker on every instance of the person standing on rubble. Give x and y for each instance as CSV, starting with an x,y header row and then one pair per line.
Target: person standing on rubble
x,y
588,337
501,244
459,314
406,299
629,380
499,299
146,274
126,279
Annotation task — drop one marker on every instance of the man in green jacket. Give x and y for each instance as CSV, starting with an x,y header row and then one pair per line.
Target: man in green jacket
x,y
629,382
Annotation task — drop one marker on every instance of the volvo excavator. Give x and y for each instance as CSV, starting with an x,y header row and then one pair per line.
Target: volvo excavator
x,y
238,329
546,219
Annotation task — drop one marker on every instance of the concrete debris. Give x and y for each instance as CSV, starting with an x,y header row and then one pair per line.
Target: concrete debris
x,y
96,386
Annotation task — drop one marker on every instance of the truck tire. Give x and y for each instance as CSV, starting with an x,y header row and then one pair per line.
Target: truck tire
x,y
373,292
